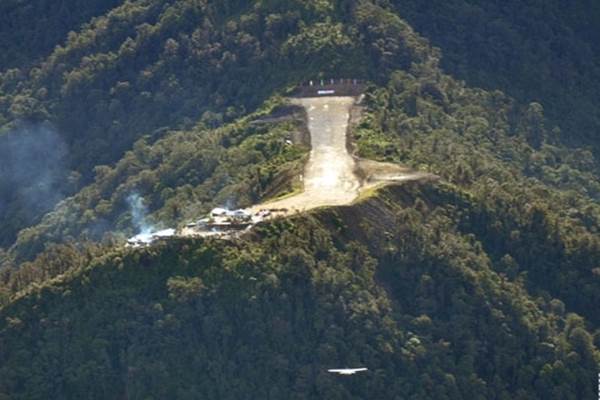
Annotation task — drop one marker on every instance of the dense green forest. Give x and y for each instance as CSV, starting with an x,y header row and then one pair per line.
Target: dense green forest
x,y
544,51
29,31
264,317
153,65
483,284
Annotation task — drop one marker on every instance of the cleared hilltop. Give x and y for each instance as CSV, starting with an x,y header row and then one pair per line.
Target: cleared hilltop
x,y
332,176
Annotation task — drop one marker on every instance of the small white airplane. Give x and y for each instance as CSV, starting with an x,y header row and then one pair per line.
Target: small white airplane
x,y
347,371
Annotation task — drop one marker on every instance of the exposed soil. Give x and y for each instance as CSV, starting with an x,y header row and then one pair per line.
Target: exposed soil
x,y
332,176
329,177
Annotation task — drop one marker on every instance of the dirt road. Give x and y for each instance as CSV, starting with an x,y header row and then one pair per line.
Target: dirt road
x,y
329,177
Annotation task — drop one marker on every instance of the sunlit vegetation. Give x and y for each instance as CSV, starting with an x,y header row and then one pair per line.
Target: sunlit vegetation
x,y
534,201
266,317
181,177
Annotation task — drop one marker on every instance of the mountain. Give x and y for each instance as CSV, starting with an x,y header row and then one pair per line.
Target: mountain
x,y
480,283
544,52
30,31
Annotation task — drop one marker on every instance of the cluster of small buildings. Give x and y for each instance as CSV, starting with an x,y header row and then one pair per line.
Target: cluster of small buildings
x,y
223,220
330,87
220,223
325,82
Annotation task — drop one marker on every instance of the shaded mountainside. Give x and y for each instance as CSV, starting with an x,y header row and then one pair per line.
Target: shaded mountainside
x,y
482,285
30,30
266,316
543,51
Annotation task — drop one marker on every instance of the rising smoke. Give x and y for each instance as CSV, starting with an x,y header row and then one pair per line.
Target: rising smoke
x,y
139,213
33,170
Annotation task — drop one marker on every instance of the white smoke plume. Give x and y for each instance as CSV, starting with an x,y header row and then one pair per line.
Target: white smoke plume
x,y
33,172
139,213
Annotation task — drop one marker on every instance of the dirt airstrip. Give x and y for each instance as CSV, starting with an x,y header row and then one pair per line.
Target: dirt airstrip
x,y
332,176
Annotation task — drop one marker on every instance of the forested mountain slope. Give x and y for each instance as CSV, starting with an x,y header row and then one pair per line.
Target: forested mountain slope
x,y
265,317
181,177
152,64
544,51
483,285
29,30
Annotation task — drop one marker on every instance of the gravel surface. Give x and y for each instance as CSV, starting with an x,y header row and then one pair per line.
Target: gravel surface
x,y
329,177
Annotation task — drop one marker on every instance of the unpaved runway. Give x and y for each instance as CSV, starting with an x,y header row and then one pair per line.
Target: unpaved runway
x,y
329,177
